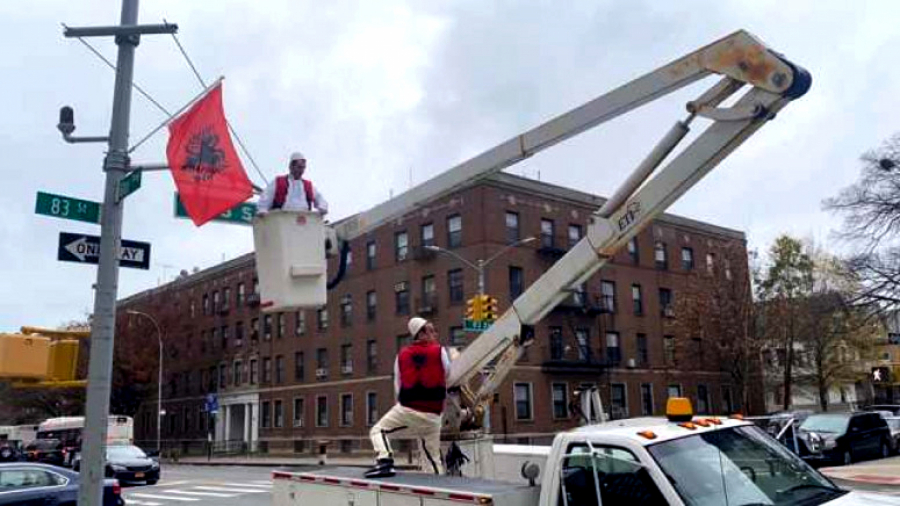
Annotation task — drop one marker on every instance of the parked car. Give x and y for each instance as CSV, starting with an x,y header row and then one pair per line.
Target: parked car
x,y
894,426
48,451
893,408
128,464
32,483
842,438
10,451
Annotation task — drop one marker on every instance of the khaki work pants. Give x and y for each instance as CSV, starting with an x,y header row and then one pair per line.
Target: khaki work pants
x,y
407,423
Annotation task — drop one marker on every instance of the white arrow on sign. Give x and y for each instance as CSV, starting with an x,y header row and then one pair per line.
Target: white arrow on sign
x,y
82,249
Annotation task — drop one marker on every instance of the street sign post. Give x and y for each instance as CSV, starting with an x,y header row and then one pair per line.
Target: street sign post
x,y
85,249
60,206
240,214
128,185
476,326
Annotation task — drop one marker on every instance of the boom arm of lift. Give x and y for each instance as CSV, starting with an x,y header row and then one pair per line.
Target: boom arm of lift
x,y
739,58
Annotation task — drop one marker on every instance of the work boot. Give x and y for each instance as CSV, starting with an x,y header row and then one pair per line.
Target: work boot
x,y
383,468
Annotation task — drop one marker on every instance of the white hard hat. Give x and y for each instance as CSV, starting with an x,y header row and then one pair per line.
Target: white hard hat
x,y
296,155
415,325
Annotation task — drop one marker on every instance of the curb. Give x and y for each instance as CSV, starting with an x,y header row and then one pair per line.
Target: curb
x,y
864,479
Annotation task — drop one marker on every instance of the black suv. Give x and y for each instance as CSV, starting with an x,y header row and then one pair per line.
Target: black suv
x,y
47,451
842,438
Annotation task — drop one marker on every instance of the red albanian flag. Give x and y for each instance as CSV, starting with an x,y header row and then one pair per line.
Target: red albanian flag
x,y
207,171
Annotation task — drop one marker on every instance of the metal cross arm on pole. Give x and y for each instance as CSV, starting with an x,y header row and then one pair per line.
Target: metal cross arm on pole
x,y
119,30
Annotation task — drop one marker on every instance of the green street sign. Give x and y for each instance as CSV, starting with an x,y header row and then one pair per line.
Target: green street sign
x,y
68,208
128,185
241,213
474,326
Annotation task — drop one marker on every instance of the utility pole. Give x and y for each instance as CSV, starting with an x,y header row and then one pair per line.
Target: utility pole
x,y
115,165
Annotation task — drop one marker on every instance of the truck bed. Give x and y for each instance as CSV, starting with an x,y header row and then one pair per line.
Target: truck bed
x,y
448,488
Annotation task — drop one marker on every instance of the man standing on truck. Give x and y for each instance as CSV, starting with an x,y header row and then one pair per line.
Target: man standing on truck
x,y
291,192
420,384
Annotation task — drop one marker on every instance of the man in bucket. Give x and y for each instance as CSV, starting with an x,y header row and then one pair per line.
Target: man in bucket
x,y
420,383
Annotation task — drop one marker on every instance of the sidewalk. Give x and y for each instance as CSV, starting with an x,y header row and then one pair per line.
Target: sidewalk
x,y
279,461
873,472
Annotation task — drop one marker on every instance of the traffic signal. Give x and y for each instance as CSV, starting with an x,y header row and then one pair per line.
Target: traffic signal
x,y
474,309
41,358
489,308
881,375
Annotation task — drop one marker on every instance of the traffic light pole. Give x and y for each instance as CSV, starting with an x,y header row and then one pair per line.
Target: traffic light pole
x,y
127,36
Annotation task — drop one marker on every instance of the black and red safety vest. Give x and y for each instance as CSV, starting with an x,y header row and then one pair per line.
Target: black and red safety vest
x,y
423,384
281,190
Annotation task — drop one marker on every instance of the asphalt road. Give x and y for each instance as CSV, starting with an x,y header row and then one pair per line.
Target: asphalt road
x,y
251,486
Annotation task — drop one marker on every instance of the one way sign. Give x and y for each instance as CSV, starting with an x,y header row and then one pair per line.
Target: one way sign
x,y
83,248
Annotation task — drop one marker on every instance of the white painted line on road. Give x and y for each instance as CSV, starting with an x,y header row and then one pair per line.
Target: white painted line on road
x,y
207,494
255,485
144,503
238,490
163,497
263,482
173,483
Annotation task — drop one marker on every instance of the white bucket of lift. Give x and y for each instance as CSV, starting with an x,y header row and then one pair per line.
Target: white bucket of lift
x,y
290,260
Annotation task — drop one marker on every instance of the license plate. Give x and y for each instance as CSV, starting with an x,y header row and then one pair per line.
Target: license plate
x,y
138,475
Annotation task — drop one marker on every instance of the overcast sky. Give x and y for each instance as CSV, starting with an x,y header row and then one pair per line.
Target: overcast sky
x,y
381,94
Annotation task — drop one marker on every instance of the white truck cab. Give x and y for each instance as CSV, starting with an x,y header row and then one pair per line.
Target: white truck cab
x,y
677,460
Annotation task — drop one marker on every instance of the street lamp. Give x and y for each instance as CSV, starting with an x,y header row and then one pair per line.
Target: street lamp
x,y
159,379
481,264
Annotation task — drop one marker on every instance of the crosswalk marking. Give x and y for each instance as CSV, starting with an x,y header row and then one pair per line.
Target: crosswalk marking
x,y
254,485
263,482
232,489
143,503
173,483
207,494
164,497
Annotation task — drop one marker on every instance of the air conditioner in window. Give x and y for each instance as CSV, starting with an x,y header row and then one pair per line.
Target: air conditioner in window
x,y
321,373
631,363
669,312
347,368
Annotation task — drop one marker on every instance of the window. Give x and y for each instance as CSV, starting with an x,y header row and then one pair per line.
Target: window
x,y
205,304
455,285
237,372
547,232
346,310
279,369
346,359
267,327
574,235
193,309
239,333
660,255
646,399
618,401
710,263
523,399
727,269
254,371
637,300
241,294
457,336
698,351
560,400
267,370
454,231
226,334
428,234
620,479
371,305
401,246
281,324
370,255
633,251
299,323
643,355
702,400
687,259
226,297
298,412
266,409
727,400
516,282
223,375
584,344
674,391
669,349
512,227
371,355
608,296
613,351
666,304
401,298
346,410
321,363
429,292
279,414
322,319
299,371
557,349
322,411
371,408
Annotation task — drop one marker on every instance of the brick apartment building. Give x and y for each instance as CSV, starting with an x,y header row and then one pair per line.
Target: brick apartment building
x,y
648,325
